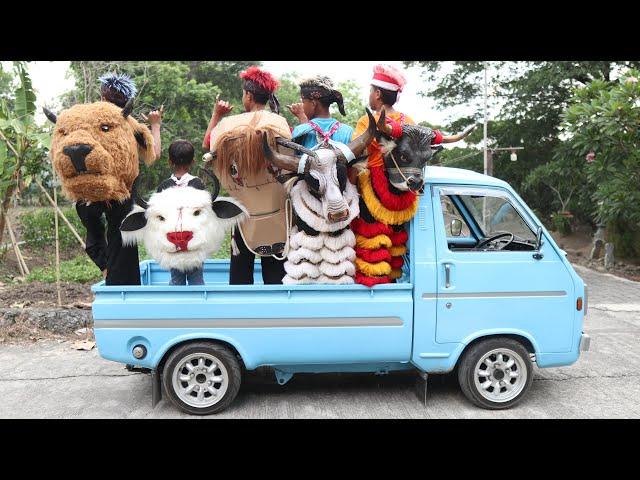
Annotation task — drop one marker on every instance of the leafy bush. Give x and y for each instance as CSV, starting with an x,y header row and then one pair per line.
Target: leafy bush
x,y
79,269
561,224
38,228
626,239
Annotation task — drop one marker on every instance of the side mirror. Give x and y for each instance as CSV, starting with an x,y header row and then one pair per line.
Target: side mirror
x,y
537,255
538,238
456,227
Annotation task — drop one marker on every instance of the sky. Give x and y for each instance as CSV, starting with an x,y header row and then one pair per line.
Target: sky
x,y
50,81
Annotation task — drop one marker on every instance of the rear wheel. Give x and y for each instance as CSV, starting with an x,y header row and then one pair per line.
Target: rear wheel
x,y
201,378
496,373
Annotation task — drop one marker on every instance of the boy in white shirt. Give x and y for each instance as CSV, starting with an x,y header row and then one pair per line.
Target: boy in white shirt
x,y
181,157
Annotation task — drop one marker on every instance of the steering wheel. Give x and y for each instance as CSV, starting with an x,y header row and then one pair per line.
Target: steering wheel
x,y
492,238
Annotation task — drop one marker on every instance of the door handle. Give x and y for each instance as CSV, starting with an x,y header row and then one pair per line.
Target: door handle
x,y
447,275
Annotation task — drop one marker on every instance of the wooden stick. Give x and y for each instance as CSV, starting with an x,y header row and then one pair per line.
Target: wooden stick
x,y
55,199
73,230
24,270
15,251
21,263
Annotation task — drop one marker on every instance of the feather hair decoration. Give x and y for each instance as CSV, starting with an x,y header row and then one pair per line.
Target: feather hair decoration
x,y
120,82
264,79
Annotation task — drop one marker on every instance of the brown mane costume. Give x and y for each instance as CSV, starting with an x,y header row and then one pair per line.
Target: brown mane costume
x,y
114,143
95,150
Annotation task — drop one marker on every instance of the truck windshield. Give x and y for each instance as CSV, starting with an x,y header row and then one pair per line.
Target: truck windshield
x,y
496,214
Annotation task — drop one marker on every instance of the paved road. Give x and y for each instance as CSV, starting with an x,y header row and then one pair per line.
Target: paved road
x,y
50,380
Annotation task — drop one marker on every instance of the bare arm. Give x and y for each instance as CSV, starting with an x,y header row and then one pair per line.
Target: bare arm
x,y
220,109
296,109
155,120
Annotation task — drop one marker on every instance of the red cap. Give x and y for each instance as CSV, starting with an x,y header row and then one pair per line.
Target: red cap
x,y
388,77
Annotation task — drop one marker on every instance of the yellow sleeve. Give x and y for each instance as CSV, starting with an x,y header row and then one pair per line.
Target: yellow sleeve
x,y
361,126
408,120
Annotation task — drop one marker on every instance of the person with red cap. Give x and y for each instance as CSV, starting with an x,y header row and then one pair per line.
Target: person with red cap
x,y
386,85
237,158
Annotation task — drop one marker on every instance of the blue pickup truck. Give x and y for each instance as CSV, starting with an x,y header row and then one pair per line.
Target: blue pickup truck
x,y
485,289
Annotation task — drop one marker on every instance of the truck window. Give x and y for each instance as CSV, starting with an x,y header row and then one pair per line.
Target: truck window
x,y
489,220
496,214
451,212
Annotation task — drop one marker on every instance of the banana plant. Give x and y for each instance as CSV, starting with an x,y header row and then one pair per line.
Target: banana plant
x,y
23,144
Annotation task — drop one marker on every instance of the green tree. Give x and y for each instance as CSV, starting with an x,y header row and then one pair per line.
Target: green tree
x,y
532,97
603,118
187,90
22,143
6,80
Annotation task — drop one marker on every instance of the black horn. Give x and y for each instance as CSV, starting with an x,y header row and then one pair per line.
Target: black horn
x,y
214,180
359,144
136,195
50,115
128,108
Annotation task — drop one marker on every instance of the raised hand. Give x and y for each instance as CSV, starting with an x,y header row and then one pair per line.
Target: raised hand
x,y
221,108
154,117
298,111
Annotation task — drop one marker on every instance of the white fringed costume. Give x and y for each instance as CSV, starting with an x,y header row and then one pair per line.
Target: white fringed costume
x,y
328,256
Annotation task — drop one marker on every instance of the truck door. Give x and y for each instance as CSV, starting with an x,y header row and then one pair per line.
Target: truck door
x,y
491,279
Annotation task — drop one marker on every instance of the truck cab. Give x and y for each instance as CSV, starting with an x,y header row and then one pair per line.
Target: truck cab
x,y
484,288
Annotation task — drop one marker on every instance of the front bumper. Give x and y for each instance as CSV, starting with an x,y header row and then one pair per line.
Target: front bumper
x,y
585,342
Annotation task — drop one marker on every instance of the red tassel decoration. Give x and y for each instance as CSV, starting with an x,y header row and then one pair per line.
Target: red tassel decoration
x,y
373,256
392,201
370,281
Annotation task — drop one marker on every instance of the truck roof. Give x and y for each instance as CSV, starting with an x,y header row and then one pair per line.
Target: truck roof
x,y
435,174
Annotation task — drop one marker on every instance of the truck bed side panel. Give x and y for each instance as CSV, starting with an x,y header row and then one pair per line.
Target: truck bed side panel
x,y
268,325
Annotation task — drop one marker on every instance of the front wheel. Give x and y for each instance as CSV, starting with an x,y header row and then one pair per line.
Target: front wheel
x,y
495,373
201,378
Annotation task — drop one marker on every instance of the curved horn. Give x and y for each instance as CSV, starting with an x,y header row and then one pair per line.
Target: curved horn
x,y
136,196
383,126
128,108
460,136
216,183
50,115
359,144
295,146
285,162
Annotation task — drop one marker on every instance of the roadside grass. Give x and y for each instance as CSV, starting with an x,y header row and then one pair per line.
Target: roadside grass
x,y
81,269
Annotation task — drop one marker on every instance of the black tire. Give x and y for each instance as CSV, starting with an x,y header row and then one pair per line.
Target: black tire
x,y
226,357
466,372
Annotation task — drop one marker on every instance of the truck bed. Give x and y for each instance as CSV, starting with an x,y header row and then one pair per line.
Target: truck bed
x,y
266,324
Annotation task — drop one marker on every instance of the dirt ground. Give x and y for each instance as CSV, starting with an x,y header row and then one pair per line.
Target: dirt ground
x,y
578,247
39,294
21,334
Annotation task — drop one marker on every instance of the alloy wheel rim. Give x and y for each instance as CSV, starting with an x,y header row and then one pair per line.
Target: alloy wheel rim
x,y
500,375
200,380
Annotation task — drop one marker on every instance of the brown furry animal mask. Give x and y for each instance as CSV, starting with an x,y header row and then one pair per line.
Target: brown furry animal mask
x,y
95,150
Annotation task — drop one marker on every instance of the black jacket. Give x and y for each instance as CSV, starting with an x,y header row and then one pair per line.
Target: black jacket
x,y
122,263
